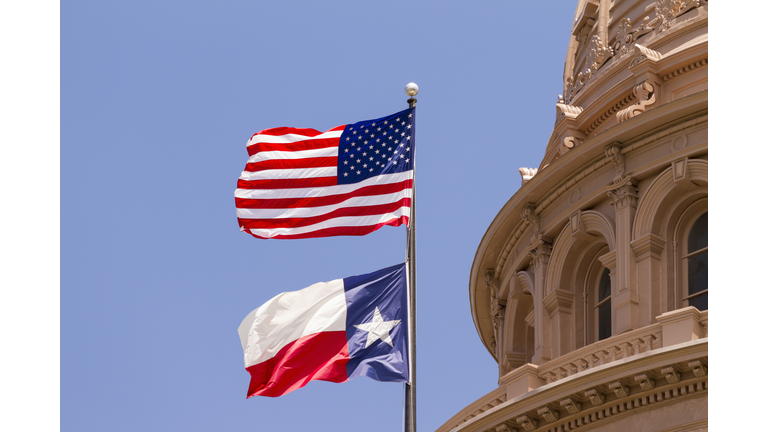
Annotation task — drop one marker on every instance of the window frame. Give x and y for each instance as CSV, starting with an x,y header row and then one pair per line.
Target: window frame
x,y
682,232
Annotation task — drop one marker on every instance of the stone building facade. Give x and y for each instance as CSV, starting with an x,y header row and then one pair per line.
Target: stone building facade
x,y
589,288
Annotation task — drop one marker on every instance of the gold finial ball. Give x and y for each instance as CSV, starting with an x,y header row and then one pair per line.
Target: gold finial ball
x,y
411,89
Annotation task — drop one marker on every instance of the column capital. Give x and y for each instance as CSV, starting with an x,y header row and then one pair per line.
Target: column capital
x,y
623,193
540,250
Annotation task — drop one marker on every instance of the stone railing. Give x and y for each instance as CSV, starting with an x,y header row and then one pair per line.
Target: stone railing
x,y
672,328
602,352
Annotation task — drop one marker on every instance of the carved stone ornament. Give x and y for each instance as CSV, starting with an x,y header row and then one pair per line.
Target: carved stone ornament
x,y
541,250
620,389
598,53
642,54
549,415
571,405
527,423
646,95
568,143
497,309
646,383
698,368
671,374
504,428
529,215
595,396
527,174
624,193
574,85
626,35
614,154
667,10
564,110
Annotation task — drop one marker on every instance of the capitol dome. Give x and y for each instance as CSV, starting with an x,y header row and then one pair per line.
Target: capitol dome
x,y
589,288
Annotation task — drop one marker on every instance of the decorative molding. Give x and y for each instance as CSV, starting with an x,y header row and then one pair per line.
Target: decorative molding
x,y
504,428
626,100
527,423
619,389
569,143
578,177
598,53
571,405
595,397
646,95
557,300
497,309
541,250
549,415
527,174
650,244
699,370
642,54
512,360
685,69
614,154
626,35
646,383
650,206
667,10
564,110
671,374
623,193
531,218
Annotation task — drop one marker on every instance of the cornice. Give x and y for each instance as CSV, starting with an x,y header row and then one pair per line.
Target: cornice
x,y
553,182
631,384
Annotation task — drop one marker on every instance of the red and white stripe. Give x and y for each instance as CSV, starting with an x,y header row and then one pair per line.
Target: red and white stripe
x,y
289,189
296,337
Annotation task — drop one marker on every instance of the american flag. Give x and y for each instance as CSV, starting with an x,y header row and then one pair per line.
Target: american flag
x,y
349,180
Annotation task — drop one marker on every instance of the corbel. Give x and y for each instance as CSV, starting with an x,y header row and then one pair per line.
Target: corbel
x,y
619,389
595,396
646,383
571,405
613,152
529,216
504,428
699,370
671,374
527,423
549,415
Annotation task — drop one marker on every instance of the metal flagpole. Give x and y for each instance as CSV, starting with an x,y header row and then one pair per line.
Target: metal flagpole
x,y
410,253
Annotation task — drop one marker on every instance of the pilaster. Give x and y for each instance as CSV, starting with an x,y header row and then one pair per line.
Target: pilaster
x,y
624,295
540,252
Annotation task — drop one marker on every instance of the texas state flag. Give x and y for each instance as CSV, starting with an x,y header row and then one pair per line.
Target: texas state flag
x,y
330,331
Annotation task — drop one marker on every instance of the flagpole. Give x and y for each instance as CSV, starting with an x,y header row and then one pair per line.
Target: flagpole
x,y
410,252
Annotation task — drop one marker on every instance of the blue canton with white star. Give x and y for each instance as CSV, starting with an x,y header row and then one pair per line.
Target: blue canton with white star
x,y
374,147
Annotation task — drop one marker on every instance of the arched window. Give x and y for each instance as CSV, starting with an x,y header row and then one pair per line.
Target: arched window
x,y
695,264
598,308
604,306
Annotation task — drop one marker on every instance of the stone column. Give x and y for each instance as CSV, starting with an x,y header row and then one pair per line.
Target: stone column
x,y
624,295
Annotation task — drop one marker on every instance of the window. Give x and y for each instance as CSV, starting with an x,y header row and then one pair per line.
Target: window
x,y
604,306
597,312
695,264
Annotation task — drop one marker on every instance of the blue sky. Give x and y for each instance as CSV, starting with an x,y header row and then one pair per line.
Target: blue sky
x,y
157,102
